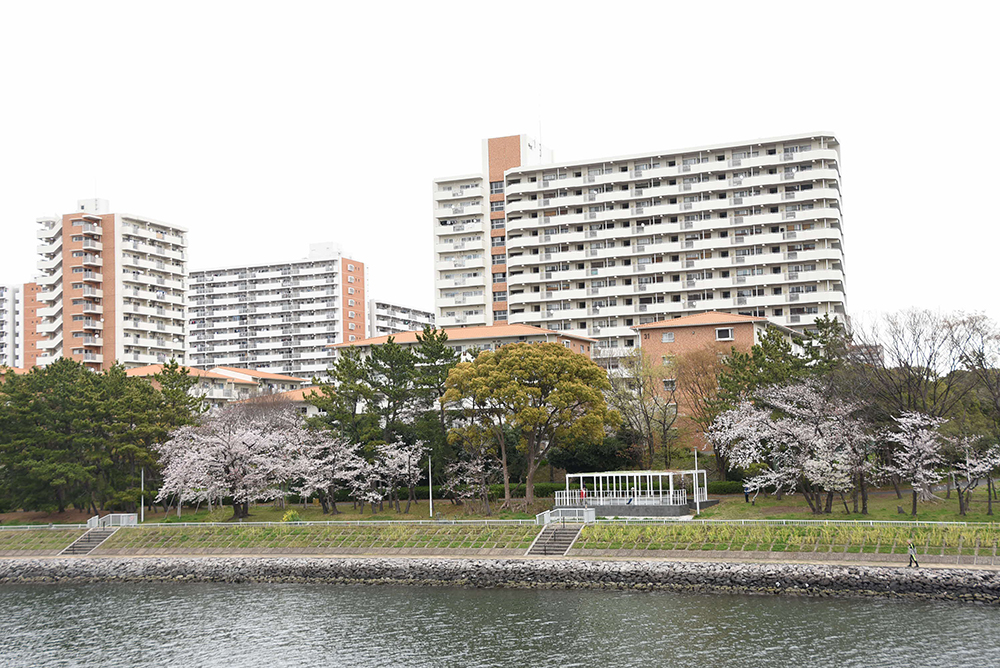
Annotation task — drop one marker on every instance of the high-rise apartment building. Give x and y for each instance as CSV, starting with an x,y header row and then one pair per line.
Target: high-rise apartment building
x,y
11,326
599,246
278,317
111,287
470,252
385,318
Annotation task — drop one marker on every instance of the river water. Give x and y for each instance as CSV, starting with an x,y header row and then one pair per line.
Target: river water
x,y
197,624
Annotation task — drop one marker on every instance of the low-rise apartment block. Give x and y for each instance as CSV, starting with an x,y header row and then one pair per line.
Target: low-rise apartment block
x,y
278,317
111,288
385,318
465,340
597,247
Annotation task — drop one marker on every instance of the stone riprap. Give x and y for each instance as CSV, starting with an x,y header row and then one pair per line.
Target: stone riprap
x,y
738,578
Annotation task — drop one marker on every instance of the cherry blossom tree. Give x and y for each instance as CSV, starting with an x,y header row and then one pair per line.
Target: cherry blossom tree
x,y
796,437
365,480
470,479
241,451
320,462
400,467
918,457
972,463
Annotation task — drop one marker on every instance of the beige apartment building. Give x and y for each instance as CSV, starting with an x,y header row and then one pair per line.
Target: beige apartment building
x,y
597,247
111,286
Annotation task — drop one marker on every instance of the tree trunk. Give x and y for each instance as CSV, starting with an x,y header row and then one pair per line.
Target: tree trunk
x,y
989,493
828,509
844,499
961,500
864,496
808,497
895,486
529,482
913,512
506,472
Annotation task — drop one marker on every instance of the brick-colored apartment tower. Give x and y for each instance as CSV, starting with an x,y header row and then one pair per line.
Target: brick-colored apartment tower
x,y
110,288
470,236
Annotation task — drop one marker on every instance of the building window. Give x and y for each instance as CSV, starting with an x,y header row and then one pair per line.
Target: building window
x,y
724,334
350,267
496,206
350,314
496,187
352,338
667,337
669,384
350,279
350,291
350,326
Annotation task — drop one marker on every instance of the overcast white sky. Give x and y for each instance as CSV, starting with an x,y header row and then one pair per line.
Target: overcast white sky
x,y
264,127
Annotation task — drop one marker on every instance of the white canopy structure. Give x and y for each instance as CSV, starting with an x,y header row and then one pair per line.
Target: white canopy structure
x,y
633,488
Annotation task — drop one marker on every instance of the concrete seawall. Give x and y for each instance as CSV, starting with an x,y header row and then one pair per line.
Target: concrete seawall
x,y
738,578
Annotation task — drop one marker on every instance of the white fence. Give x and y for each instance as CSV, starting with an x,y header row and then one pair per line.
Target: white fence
x,y
119,520
572,498
585,515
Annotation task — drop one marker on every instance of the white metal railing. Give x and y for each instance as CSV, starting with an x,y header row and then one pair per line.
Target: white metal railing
x,y
900,523
585,515
572,498
116,520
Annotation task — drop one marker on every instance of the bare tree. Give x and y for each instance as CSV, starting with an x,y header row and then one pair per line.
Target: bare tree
x,y
698,392
644,394
915,360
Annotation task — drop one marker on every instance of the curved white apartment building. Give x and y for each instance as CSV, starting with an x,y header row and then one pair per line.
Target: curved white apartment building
x,y
596,247
110,287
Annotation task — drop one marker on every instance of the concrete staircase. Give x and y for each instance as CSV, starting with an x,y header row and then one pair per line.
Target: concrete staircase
x,y
554,540
88,542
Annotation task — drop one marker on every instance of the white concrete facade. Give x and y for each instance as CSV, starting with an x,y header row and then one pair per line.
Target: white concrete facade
x,y
596,247
11,326
469,235
111,288
278,317
385,318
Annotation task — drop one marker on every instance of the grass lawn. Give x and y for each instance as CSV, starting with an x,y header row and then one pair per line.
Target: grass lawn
x,y
314,513
38,539
882,505
305,537
977,540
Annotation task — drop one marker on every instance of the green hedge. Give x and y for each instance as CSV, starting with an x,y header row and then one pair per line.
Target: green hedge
x,y
725,487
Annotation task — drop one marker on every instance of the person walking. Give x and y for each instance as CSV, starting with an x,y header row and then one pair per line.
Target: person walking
x,y
746,494
912,551
583,495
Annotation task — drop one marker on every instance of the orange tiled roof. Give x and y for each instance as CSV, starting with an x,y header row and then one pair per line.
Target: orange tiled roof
x,y
291,395
254,373
153,369
700,319
467,333
18,371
